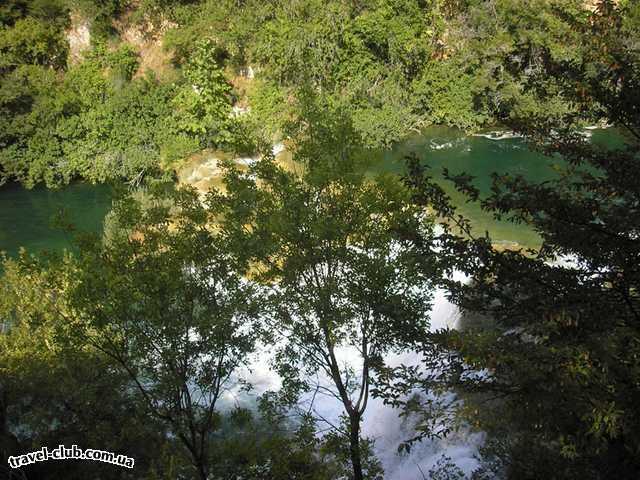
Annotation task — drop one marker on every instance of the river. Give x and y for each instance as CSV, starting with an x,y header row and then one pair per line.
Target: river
x,y
25,215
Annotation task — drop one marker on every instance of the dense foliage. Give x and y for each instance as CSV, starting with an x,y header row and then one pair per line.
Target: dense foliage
x,y
139,341
393,66
397,65
550,368
95,120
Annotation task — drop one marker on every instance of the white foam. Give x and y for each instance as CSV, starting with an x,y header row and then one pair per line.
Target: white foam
x,y
381,422
498,135
278,148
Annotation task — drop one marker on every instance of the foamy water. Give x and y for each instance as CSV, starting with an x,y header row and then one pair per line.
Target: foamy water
x,y
381,422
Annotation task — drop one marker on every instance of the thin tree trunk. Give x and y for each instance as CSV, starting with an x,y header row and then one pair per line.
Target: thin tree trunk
x,y
199,461
202,470
354,446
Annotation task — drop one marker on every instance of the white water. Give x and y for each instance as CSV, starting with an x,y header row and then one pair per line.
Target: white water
x,y
508,134
381,422
250,161
498,135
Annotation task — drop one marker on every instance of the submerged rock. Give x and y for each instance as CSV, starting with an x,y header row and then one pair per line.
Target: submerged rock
x,y
202,170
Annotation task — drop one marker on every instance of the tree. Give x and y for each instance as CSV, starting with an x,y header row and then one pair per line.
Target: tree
x,y
269,446
60,382
162,300
553,373
344,282
55,390
87,125
32,41
203,106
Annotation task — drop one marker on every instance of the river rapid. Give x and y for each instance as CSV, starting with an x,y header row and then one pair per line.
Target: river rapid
x,y
25,221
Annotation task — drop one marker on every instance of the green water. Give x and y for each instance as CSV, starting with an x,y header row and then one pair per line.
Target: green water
x,y
26,215
480,156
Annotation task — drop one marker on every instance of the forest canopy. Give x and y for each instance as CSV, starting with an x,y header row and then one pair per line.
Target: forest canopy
x,y
146,337
387,67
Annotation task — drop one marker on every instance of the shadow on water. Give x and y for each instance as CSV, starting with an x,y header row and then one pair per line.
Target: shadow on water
x,y
27,216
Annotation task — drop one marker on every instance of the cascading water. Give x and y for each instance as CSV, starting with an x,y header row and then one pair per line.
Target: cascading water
x,y
382,422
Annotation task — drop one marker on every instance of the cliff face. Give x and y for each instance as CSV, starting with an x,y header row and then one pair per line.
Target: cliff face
x,y
593,4
79,37
148,42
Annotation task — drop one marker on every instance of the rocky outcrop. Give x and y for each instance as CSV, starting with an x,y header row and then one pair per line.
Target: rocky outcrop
x,y
202,170
147,40
79,37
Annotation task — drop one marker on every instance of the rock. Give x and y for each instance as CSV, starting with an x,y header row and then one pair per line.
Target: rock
x,y
201,171
79,38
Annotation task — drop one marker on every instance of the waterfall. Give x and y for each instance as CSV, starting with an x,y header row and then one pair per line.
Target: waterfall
x,y
381,422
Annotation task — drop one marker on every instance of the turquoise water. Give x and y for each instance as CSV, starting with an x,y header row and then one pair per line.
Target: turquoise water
x,y
26,216
479,156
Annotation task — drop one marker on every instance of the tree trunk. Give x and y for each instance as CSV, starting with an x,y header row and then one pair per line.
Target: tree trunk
x,y
354,446
202,470
199,461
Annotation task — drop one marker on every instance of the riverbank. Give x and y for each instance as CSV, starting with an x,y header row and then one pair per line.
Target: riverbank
x,y
25,215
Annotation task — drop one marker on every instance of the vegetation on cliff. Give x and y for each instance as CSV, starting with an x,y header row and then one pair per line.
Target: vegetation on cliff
x,y
140,340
